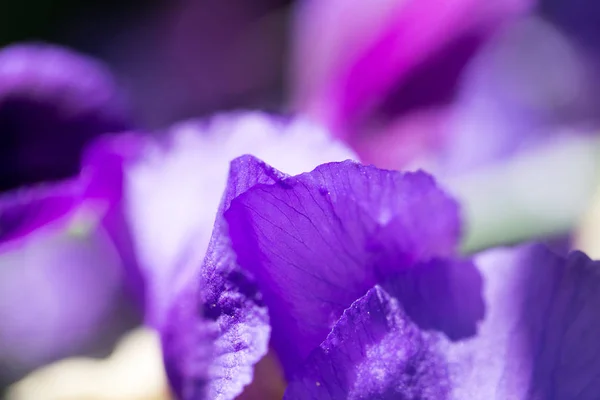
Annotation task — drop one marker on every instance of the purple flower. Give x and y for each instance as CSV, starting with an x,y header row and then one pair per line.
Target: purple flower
x,y
62,276
508,104
168,190
219,328
450,85
52,102
338,230
350,273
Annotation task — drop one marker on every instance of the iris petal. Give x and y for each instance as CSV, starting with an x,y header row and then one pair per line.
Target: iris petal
x,y
374,352
218,327
538,339
317,241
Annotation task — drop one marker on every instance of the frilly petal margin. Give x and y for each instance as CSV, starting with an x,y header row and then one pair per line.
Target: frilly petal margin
x,y
217,329
52,102
318,241
173,187
538,339
374,352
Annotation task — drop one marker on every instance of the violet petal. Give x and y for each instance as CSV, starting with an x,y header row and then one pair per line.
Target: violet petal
x,y
537,341
539,337
442,295
374,352
217,328
317,241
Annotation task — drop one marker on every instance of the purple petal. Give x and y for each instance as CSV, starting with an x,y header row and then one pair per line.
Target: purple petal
x,y
441,295
217,329
374,352
26,210
60,277
172,187
539,337
103,175
338,230
52,102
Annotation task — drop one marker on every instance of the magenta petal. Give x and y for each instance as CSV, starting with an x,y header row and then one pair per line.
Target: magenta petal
x,y
52,102
217,329
351,53
318,241
374,352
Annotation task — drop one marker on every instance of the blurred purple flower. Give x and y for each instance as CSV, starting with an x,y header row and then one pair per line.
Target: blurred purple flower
x,y
461,85
507,102
52,102
61,275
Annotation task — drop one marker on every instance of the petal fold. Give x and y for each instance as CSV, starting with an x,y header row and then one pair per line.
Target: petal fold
x,y
374,352
217,328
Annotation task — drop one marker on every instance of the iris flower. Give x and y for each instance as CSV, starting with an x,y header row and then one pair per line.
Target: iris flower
x,y
447,84
350,274
61,275
343,278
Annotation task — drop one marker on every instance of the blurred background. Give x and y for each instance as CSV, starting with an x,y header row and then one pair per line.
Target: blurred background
x,y
175,59
499,100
